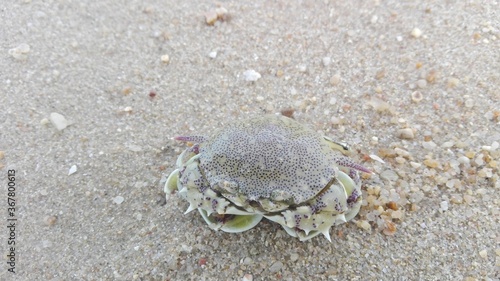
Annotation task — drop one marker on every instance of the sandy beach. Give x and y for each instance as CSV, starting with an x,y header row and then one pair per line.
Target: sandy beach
x,y
92,93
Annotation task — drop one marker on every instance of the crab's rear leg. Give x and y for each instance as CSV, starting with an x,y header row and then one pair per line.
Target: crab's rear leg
x,y
194,139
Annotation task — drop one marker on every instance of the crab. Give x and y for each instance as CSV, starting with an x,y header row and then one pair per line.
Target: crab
x,y
268,167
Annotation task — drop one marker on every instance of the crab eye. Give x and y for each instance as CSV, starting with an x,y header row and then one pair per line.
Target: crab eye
x,y
340,146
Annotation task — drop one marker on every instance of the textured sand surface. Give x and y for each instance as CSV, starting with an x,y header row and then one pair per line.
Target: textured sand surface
x,y
93,91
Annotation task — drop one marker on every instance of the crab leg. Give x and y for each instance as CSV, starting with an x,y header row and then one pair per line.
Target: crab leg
x,y
195,139
348,163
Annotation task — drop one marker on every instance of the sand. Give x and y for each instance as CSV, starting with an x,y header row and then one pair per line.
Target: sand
x,y
94,91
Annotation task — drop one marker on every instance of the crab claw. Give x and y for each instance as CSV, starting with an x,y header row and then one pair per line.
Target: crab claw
x,y
172,183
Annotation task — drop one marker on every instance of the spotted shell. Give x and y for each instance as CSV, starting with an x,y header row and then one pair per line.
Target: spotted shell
x,y
272,158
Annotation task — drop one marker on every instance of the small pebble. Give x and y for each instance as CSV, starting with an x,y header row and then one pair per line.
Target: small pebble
x,y
401,152
247,277
447,144
294,257
118,200
443,206
364,224
302,68
44,121
221,13
392,205
390,228
416,32
431,163
276,266
379,105
212,54
58,121
415,165
20,52
400,160
406,133
422,83
50,220
326,61
165,59
251,75
397,214
389,175
335,80
211,17
72,170
429,145
483,254
479,160
452,82
416,96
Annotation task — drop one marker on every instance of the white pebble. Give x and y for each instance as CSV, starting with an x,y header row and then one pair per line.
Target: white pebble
x,y
302,68
251,75
463,160
326,61
447,144
165,58
118,200
247,277
483,254
401,152
376,158
494,146
72,170
415,164
429,145
389,175
212,54
58,121
444,206
416,32
20,52
479,159
422,83
333,100
44,121
406,133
